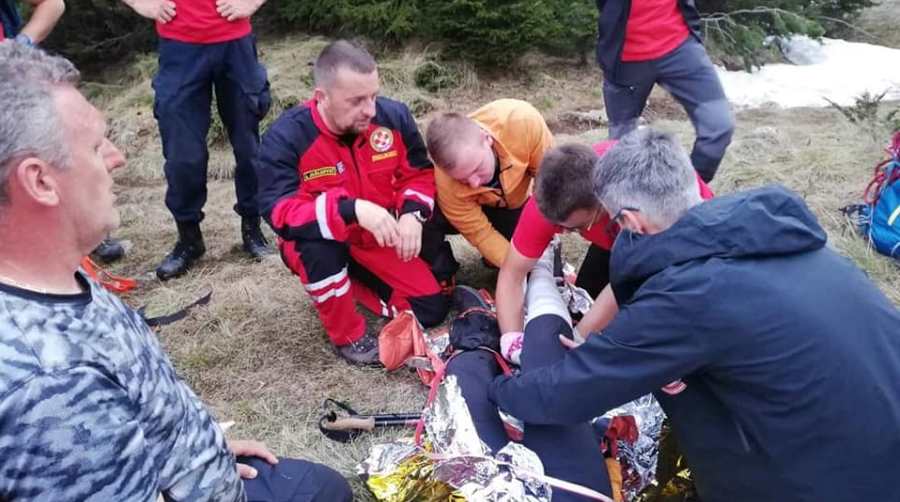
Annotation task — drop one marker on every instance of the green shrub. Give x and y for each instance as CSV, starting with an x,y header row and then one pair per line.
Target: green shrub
x,y
489,33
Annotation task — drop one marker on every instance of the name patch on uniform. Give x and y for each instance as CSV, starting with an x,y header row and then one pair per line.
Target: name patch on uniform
x,y
320,172
385,155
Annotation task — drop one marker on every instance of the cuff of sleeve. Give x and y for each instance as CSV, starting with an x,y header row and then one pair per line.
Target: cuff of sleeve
x,y
492,388
347,210
411,206
25,40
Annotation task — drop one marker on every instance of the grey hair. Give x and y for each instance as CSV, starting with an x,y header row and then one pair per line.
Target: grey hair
x,y
29,122
647,170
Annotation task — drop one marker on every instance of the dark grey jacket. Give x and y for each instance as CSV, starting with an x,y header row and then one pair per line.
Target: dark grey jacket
x,y
790,354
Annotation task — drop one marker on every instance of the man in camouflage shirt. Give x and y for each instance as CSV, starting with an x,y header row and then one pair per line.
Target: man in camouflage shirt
x,y
91,409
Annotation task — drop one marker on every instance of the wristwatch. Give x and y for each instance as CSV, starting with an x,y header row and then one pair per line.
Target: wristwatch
x,y
418,216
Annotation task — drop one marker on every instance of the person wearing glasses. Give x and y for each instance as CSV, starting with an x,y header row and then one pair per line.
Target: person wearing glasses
x,y
788,355
484,165
563,201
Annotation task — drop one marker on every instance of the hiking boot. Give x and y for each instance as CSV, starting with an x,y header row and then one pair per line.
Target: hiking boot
x,y
109,250
362,352
474,329
187,250
467,297
255,243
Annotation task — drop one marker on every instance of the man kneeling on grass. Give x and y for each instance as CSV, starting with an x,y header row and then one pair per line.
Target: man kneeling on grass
x,y
90,406
563,202
346,183
779,342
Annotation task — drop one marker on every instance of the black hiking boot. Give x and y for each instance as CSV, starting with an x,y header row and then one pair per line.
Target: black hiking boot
x,y
363,352
109,250
467,297
255,243
187,250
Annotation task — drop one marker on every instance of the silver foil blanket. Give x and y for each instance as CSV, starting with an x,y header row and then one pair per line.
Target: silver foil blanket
x,y
457,459
640,458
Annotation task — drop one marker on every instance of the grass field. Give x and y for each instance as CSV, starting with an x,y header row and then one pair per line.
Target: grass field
x,y
257,354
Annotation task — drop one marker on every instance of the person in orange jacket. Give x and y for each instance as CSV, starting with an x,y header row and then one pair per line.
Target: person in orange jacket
x,y
485,163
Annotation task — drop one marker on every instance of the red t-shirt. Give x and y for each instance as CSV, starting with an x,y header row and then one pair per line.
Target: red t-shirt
x,y
534,233
198,22
654,28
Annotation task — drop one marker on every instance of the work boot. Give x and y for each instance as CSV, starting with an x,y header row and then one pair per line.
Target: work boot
x,y
255,243
362,352
187,250
466,297
109,250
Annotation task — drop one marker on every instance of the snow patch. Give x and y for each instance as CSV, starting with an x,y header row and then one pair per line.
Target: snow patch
x,y
834,69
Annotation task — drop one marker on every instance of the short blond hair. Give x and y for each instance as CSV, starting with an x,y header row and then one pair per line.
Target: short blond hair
x,y
447,134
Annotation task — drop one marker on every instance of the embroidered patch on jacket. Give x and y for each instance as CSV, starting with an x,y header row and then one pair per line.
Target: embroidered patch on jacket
x,y
382,139
320,172
385,155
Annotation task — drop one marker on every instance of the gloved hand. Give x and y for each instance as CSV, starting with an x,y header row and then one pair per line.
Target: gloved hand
x,y
511,344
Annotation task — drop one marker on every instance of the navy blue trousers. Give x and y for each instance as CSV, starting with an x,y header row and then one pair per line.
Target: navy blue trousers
x,y
188,75
690,77
571,453
292,480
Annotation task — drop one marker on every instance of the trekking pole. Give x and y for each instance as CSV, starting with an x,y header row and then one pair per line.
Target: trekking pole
x,y
350,423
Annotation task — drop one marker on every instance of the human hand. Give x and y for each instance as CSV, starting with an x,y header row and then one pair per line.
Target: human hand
x,y
576,340
409,230
237,9
379,221
569,343
158,10
242,448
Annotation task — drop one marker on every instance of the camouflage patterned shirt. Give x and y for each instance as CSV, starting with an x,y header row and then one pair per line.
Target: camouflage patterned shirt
x,y
91,408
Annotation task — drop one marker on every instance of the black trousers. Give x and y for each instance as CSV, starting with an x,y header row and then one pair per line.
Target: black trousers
x,y
593,275
571,452
292,480
436,250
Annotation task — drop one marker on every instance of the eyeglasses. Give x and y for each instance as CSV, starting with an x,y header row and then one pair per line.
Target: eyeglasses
x,y
583,227
611,226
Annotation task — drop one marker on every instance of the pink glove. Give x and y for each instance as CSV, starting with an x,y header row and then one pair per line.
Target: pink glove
x,y
511,344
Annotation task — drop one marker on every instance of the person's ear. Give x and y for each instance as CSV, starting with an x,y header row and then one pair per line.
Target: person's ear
x,y
487,138
632,221
320,96
38,181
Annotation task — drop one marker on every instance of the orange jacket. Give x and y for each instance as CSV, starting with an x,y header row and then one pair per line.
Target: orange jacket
x,y
520,139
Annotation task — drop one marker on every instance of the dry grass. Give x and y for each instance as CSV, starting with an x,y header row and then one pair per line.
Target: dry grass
x,y
257,353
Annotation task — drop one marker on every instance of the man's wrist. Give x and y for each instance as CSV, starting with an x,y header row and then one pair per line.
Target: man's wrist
x,y
24,39
417,215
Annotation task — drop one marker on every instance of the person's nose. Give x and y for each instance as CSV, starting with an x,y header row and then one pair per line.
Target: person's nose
x,y
113,157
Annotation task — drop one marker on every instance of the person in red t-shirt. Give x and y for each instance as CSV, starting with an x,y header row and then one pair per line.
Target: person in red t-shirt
x,y
646,42
207,45
563,201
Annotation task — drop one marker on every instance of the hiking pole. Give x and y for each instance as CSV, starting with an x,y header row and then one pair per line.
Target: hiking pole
x,y
350,423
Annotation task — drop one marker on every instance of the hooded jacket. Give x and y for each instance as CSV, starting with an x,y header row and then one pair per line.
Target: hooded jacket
x,y
790,355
